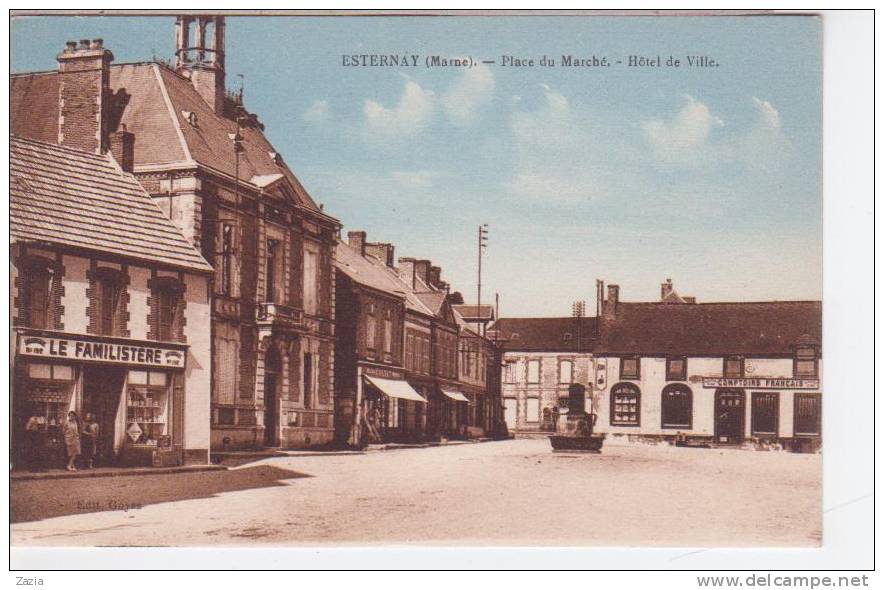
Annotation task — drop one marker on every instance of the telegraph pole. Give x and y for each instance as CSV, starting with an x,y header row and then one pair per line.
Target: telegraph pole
x,y
578,310
483,239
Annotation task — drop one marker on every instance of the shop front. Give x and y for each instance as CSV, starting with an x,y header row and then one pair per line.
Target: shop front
x,y
127,394
393,411
454,411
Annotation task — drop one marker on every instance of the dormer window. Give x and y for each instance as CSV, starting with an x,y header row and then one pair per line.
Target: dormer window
x,y
276,157
190,117
805,362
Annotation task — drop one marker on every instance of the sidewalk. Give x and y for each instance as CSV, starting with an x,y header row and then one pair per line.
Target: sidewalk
x,y
109,472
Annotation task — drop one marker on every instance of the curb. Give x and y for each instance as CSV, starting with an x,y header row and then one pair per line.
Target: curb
x,y
13,477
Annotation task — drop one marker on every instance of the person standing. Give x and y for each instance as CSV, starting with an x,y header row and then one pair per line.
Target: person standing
x,y
72,439
90,441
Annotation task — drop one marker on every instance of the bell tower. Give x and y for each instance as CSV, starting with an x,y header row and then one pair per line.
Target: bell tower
x,y
199,55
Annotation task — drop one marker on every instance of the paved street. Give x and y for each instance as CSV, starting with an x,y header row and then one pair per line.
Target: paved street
x,y
505,493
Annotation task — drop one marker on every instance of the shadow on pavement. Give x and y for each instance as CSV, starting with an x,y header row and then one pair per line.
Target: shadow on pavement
x,y
32,500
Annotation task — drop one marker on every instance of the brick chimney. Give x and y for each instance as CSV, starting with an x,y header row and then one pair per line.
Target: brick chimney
x,y
407,270
382,251
356,239
422,270
84,95
665,289
122,146
199,55
435,277
610,307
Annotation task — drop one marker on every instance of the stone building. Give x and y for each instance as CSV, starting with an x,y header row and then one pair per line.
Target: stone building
x,y
542,358
722,373
110,308
205,160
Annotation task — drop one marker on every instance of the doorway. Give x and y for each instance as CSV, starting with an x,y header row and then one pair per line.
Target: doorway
x,y
272,366
102,388
730,415
509,413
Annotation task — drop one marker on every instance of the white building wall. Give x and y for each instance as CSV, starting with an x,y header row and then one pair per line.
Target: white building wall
x,y
138,309
198,330
74,299
653,380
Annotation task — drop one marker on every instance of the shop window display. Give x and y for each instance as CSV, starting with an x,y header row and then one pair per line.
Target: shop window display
x,y
147,407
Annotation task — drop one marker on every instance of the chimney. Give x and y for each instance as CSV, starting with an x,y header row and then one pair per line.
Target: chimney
x,y
407,271
610,309
122,146
356,239
84,95
199,55
381,251
435,277
665,289
422,270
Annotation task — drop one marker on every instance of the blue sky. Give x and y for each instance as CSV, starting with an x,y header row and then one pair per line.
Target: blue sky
x,y
708,176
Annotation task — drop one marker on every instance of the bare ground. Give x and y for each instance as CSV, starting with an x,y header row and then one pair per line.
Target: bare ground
x,y
502,493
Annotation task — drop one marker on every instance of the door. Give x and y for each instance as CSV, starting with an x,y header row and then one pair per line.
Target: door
x,y
271,399
730,415
509,414
102,389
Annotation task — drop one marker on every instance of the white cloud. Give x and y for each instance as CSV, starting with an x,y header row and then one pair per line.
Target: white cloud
x,y
317,113
770,115
410,115
413,179
684,137
466,96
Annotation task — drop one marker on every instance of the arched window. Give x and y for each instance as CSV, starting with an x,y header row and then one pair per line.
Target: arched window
x,y
39,280
168,309
107,299
677,408
625,405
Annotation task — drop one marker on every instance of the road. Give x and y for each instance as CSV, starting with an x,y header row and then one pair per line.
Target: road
x,y
502,493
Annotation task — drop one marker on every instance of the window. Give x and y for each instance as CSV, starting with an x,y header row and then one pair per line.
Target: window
x,y
108,299
733,367
625,405
39,279
676,407
532,409
409,352
53,372
271,278
533,371
388,336
370,329
676,369
566,336
169,312
226,365
566,370
807,414
805,362
226,253
630,367
509,371
310,283
765,412
308,380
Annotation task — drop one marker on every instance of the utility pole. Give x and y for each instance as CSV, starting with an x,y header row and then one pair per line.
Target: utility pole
x,y
578,310
483,239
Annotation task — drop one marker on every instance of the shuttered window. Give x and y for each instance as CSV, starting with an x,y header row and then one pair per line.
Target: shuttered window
x,y
765,412
807,414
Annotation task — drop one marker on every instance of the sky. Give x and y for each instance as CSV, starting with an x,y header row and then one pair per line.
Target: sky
x,y
708,176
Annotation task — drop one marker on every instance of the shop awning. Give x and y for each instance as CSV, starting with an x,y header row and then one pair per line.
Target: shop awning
x,y
396,388
455,395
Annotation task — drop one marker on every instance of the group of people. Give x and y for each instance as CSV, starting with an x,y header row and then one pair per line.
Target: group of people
x,y
81,440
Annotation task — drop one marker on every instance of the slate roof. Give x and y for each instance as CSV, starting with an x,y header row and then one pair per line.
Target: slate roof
x,y
544,334
369,271
713,329
80,199
153,102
